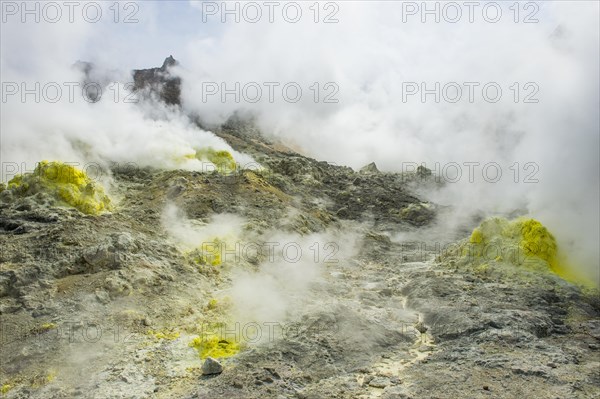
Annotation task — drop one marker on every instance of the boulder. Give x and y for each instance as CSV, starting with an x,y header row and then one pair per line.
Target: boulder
x,y
211,367
369,169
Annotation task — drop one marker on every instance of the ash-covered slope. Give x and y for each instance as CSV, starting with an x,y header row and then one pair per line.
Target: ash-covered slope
x,y
127,303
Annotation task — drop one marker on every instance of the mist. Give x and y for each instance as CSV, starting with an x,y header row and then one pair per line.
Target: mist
x,y
546,150
191,234
285,279
534,152
276,272
335,255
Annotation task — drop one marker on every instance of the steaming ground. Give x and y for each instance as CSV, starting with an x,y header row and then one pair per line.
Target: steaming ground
x,y
107,306
369,54
374,51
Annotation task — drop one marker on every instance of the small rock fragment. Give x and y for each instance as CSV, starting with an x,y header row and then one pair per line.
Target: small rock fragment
x,y
379,382
211,366
420,327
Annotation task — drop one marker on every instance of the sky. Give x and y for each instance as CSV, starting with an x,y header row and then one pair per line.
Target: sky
x,y
362,77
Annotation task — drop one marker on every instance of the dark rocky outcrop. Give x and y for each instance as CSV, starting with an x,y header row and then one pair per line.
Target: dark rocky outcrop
x,y
160,81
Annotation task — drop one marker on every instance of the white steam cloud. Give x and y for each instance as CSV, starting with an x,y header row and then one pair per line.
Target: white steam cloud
x,y
547,151
290,264
282,284
371,54
48,114
192,234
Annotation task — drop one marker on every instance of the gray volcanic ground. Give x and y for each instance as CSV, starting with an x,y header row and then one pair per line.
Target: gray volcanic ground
x,y
159,240
106,306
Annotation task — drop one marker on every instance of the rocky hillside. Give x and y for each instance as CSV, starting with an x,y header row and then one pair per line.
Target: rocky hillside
x,y
135,298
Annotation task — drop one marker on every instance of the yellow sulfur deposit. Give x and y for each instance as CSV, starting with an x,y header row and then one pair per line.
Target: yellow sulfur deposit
x,y
212,304
217,339
66,184
43,379
167,335
208,254
211,345
476,237
47,327
223,160
522,242
537,241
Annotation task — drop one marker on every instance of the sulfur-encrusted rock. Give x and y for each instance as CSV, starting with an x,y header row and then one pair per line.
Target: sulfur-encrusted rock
x,y
63,184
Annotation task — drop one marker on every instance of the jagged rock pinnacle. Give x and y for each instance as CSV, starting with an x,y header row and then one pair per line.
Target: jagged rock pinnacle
x,y
169,61
160,81
370,168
